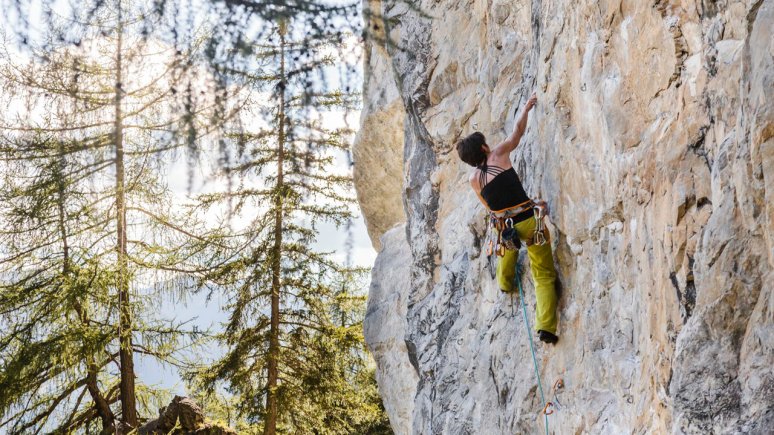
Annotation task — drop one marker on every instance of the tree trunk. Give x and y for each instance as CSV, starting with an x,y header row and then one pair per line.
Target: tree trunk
x,y
128,400
270,425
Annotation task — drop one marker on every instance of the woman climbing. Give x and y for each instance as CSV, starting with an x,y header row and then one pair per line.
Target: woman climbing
x,y
499,189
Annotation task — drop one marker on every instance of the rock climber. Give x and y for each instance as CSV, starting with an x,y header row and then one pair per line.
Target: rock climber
x,y
498,187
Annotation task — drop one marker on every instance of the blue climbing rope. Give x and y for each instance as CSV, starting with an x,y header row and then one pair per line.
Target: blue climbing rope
x,y
531,343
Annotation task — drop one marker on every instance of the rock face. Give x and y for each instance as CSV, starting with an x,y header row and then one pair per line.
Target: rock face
x,y
385,326
378,152
652,141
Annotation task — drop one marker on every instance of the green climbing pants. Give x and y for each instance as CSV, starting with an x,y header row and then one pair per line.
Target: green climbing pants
x,y
541,262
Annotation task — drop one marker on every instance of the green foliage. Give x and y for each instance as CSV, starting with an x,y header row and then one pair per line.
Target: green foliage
x,y
285,178
337,386
59,211
55,306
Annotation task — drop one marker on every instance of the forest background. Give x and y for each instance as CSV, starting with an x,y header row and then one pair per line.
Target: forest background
x,y
177,215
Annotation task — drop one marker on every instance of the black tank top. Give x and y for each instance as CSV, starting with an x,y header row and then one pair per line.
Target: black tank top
x,y
502,191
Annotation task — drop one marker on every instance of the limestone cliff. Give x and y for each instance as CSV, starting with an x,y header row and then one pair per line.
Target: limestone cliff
x,y
652,141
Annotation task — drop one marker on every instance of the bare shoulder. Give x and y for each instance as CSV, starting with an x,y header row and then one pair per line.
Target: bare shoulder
x,y
501,155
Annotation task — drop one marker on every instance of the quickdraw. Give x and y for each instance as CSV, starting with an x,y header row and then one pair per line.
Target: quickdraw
x,y
554,404
558,388
541,210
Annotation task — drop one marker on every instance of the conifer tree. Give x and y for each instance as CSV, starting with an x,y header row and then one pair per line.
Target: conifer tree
x,y
87,233
52,330
295,356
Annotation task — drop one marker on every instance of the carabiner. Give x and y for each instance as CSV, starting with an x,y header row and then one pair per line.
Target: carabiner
x,y
536,212
539,238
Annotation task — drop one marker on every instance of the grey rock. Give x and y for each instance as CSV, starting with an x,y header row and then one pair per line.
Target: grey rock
x,y
653,143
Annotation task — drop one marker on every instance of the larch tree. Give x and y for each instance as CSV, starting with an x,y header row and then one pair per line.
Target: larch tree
x,y
89,236
295,357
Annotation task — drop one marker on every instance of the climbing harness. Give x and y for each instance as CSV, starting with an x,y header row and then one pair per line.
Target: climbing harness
x,y
502,215
501,230
546,405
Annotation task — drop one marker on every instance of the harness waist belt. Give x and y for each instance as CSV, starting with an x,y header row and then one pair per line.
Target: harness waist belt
x,y
518,213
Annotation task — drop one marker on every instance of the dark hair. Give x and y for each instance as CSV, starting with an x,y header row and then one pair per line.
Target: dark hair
x,y
470,150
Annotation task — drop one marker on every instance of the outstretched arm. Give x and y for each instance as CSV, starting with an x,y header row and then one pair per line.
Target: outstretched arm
x,y
504,148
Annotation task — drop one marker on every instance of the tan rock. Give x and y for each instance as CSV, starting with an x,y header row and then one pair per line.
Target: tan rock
x,y
378,146
653,142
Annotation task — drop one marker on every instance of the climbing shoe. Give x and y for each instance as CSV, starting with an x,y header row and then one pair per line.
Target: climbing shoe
x,y
547,337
